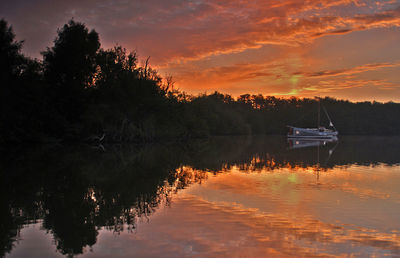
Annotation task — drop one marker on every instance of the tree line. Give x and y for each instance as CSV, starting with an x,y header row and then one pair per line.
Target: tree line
x,y
82,92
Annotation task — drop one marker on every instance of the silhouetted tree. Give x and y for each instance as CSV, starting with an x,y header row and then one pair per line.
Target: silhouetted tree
x,y
11,59
21,92
70,66
71,61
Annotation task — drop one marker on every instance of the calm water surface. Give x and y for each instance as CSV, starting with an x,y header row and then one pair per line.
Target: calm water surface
x,y
228,196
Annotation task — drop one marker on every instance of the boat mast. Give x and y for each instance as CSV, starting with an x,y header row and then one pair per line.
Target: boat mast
x,y
319,112
330,121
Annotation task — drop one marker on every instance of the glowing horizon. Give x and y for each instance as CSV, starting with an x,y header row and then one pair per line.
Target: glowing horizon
x,y
346,49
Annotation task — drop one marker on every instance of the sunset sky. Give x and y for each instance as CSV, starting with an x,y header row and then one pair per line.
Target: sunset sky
x,y
341,48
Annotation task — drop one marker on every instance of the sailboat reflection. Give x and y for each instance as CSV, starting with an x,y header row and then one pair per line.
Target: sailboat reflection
x,y
297,143
320,145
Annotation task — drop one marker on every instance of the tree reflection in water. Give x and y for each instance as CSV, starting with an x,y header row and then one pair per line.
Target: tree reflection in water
x,y
77,190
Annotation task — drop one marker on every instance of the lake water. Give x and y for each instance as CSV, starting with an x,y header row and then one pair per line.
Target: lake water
x,y
226,196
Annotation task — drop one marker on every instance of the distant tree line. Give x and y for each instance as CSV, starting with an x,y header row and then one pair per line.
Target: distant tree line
x,y
81,92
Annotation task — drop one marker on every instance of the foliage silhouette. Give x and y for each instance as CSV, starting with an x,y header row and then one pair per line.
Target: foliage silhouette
x,y
69,68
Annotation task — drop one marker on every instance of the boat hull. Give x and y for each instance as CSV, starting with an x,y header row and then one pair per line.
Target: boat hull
x,y
311,133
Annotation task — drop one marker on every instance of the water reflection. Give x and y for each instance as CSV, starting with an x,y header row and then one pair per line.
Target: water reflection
x,y
78,193
296,143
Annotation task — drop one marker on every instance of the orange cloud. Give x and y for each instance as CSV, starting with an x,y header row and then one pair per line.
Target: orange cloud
x,y
271,73
224,74
233,27
348,71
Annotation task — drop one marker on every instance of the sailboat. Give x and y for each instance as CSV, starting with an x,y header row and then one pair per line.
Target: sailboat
x,y
314,133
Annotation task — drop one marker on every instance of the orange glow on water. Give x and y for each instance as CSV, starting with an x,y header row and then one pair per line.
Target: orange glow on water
x,y
285,212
